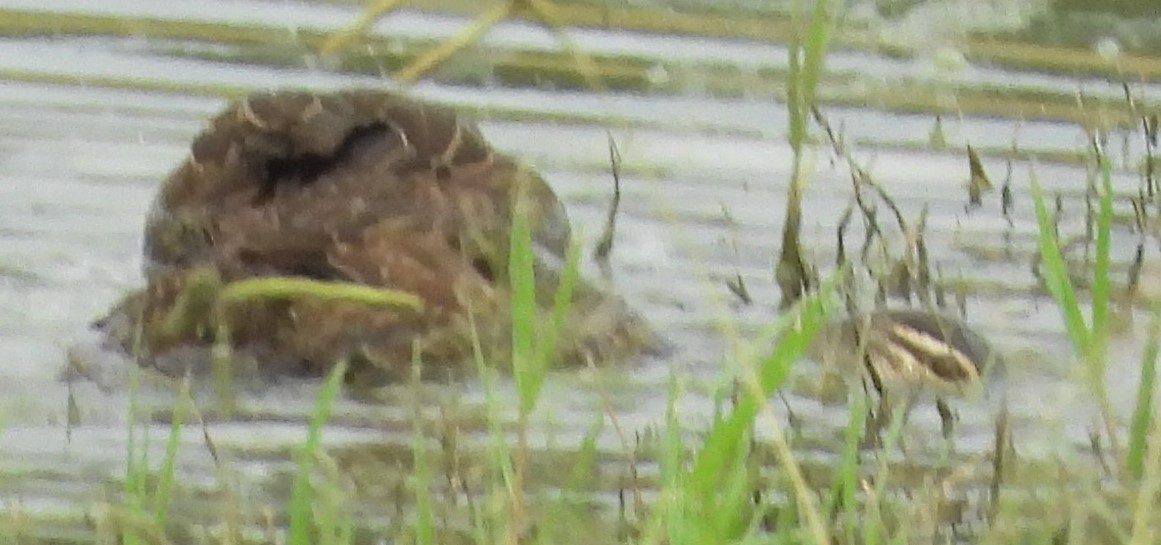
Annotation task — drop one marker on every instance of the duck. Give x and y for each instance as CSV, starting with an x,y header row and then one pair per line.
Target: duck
x,y
906,354
358,188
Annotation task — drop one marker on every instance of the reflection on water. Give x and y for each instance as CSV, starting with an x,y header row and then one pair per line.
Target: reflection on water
x,y
703,203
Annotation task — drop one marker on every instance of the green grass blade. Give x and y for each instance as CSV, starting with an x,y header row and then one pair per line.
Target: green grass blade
x,y
280,287
847,477
533,342
561,304
164,488
302,493
424,516
669,511
806,64
725,444
498,459
815,49
222,370
136,461
794,101
1055,273
1100,280
582,471
559,515
1143,408
522,281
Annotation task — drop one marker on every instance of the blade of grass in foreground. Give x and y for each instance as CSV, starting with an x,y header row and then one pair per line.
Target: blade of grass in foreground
x,y
501,473
1089,340
559,515
847,478
136,461
815,49
1143,408
526,371
534,343
806,70
561,303
1055,273
424,515
1144,529
302,494
772,371
164,489
1101,266
669,459
713,494
1096,358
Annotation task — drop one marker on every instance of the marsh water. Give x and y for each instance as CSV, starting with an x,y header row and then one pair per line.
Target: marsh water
x,y
91,123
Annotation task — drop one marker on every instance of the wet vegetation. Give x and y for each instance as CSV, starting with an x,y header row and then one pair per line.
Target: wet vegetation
x,y
487,469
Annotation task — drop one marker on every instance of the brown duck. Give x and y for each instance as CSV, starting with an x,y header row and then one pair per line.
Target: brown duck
x,y
365,188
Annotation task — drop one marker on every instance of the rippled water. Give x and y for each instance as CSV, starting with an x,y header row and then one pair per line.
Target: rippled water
x,y
703,201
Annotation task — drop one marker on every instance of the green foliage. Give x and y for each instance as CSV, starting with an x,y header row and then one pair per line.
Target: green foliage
x,y
424,502
1142,423
1055,274
846,483
148,493
807,63
1091,339
304,528
164,489
534,340
710,499
136,462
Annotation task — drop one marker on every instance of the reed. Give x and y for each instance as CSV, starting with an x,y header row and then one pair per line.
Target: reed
x,y
309,525
1090,338
1143,407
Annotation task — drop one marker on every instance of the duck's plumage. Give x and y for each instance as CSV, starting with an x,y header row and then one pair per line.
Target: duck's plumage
x,y
365,187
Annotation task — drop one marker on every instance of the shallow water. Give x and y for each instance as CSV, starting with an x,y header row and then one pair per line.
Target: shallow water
x,y
703,200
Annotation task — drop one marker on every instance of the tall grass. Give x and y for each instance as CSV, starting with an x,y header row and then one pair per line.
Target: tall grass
x,y
843,492
1143,420
807,58
147,493
710,498
309,525
534,340
135,486
1090,338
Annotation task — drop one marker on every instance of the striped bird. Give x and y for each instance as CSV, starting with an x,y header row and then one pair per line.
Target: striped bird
x,y
906,354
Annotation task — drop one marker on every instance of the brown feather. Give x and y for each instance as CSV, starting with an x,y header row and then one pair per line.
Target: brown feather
x,y
367,187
